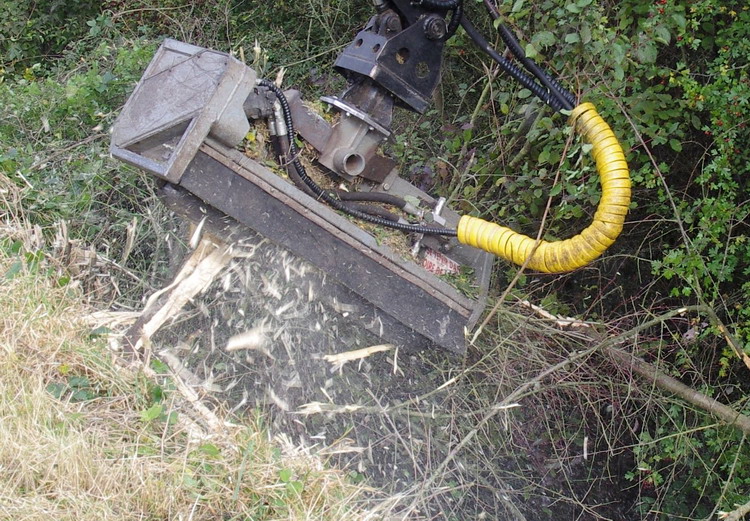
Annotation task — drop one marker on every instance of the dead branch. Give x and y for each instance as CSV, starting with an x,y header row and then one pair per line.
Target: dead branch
x,y
667,383
651,373
737,514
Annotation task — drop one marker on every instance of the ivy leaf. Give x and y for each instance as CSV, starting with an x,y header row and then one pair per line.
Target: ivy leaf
x,y
544,39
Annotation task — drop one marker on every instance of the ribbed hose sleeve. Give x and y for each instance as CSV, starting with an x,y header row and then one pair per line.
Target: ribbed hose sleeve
x,y
578,251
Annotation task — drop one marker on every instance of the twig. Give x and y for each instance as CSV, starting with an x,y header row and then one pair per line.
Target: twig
x,y
560,322
491,75
730,478
440,470
652,374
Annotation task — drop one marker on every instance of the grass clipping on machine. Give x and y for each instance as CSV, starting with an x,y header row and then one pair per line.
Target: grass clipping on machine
x,y
84,439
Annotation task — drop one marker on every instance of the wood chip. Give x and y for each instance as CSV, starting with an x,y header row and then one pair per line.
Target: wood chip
x,y
339,359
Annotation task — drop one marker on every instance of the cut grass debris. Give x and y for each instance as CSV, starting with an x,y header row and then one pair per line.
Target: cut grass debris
x,y
83,439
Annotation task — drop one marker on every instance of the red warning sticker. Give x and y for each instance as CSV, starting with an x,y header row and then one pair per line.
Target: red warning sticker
x,y
437,263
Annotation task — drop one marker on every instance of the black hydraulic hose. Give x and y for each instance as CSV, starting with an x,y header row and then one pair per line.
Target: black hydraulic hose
x,y
328,198
438,4
519,75
492,8
456,16
373,210
374,197
510,40
281,149
565,97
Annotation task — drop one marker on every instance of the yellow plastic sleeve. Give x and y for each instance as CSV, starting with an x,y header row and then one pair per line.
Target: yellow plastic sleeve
x,y
578,251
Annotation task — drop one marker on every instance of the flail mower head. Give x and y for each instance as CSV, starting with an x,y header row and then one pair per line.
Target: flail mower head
x,y
193,107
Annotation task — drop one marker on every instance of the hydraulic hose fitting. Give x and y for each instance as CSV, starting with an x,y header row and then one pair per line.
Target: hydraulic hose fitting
x,y
578,251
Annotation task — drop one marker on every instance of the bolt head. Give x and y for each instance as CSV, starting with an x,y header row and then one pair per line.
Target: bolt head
x,y
435,28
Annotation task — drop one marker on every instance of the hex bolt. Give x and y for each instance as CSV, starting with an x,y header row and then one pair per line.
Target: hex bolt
x,y
435,27
392,23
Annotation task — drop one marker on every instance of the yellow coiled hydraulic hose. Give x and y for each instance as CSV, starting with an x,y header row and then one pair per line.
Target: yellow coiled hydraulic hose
x,y
578,251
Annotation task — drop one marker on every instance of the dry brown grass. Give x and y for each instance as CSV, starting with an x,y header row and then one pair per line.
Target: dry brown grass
x,y
98,456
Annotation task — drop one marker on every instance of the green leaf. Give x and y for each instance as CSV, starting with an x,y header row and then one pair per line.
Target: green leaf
x,y
100,331
152,413
544,39
78,382
680,20
585,33
82,395
543,157
647,52
159,367
574,8
156,393
14,270
619,72
57,389
209,449
572,38
517,6
295,487
676,145
285,475
662,34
